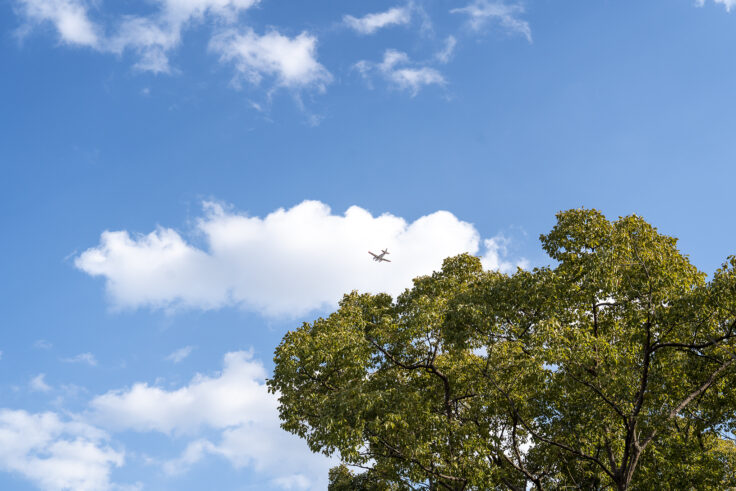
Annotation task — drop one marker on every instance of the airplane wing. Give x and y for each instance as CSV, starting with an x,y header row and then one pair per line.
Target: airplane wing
x,y
369,252
387,260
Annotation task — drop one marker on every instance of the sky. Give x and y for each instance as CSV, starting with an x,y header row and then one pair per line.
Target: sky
x,y
184,181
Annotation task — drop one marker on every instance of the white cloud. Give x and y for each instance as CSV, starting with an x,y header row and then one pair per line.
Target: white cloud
x,y
236,402
291,61
294,481
445,54
398,69
151,37
42,344
87,358
483,12
56,454
287,263
235,397
69,17
370,23
413,79
496,252
180,354
728,4
38,384
181,11
228,415
271,450
193,453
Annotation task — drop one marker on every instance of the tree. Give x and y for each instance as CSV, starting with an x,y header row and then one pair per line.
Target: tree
x,y
615,368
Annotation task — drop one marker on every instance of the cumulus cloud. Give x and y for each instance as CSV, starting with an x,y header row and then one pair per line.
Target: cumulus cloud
x,y
56,454
229,415
235,397
370,23
483,12
400,72
290,61
289,262
237,403
728,4
180,354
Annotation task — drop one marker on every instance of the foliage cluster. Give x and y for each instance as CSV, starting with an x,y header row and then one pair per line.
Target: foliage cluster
x,y
613,369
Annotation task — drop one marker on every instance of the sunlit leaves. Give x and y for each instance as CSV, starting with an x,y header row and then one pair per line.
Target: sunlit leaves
x,y
594,373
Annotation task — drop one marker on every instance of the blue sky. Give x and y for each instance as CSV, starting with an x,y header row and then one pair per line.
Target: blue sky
x,y
186,180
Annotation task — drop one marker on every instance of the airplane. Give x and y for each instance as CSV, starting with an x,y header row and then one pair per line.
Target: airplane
x,y
379,257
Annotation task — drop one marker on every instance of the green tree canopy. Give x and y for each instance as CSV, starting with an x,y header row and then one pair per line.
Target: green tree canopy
x,y
615,368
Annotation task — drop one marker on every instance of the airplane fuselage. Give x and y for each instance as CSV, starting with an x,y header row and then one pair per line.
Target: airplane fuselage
x,y
380,257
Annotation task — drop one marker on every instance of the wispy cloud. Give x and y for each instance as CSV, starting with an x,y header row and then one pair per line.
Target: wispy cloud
x,y
445,54
483,12
180,354
151,37
42,344
38,383
291,62
368,24
728,4
401,72
69,17
87,358
154,37
294,481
